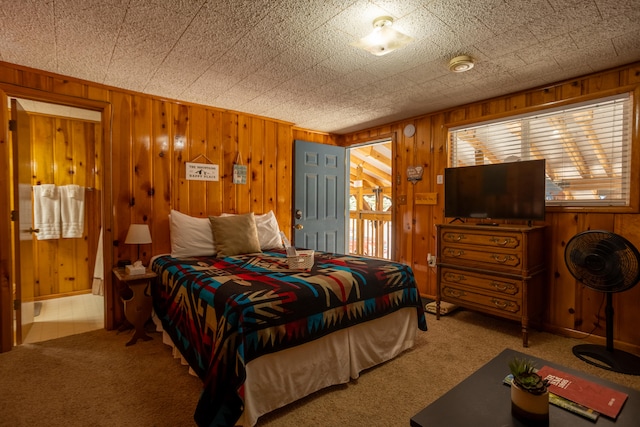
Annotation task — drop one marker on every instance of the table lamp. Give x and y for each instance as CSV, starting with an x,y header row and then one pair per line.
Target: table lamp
x,y
138,234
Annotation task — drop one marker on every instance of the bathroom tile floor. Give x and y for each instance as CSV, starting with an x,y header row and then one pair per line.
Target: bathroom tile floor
x,y
64,316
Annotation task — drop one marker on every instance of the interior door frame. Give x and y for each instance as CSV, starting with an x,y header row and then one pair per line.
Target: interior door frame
x,y
395,181
23,225
6,257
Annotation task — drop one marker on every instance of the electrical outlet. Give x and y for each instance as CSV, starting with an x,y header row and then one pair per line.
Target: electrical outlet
x,y
431,260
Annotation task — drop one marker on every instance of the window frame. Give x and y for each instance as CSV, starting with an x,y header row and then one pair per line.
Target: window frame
x,y
634,131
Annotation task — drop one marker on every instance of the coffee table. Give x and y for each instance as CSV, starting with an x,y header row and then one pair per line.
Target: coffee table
x,y
483,400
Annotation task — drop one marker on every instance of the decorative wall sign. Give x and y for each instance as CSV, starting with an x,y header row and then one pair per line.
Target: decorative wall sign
x,y
426,198
414,173
201,172
239,171
239,174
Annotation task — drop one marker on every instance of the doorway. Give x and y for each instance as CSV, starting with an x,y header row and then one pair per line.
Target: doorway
x,y
56,286
371,199
324,199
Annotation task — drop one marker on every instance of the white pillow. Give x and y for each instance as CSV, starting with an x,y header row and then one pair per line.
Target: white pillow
x,y
190,236
268,231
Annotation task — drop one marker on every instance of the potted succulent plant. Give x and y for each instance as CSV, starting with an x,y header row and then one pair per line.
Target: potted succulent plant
x,y
529,393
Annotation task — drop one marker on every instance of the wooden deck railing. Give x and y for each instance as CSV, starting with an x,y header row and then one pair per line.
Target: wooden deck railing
x,y
370,233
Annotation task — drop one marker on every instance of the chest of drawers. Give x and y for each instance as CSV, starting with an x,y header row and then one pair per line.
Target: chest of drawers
x,y
497,270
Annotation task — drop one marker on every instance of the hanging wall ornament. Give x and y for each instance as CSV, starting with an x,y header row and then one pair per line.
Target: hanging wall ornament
x,y
239,171
414,173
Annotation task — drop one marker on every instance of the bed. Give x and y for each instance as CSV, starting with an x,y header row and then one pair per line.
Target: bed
x,y
260,334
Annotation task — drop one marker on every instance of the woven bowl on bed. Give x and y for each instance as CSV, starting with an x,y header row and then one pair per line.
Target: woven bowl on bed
x,y
302,261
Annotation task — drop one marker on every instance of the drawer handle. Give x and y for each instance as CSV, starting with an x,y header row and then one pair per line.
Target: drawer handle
x,y
502,242
455,277
455,237
501,304
502,287
456,293
503,259
509,306
454,253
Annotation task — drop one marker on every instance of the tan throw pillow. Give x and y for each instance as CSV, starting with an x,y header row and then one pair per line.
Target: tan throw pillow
x,y
235,235
268,230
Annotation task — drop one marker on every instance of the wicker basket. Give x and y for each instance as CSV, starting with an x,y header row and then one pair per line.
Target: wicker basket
x,y
302,261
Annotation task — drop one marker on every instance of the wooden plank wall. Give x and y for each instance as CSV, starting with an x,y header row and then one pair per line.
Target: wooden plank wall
x,y
149,170
571,308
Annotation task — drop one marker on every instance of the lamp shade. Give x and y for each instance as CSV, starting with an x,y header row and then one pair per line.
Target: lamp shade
x,y
138,234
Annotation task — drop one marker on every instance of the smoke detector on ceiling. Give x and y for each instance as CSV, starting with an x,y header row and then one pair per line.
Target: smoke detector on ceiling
x,y
460,64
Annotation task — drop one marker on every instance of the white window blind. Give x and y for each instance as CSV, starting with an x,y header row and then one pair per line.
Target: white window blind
x,y
587,149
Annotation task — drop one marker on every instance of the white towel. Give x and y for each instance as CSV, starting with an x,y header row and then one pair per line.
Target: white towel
x,y
46,211
72,210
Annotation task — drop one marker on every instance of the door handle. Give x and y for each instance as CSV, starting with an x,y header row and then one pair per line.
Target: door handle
x,y
33,230
298,226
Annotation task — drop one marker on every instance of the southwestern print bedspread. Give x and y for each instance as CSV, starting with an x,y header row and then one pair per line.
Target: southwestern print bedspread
x,y
224,312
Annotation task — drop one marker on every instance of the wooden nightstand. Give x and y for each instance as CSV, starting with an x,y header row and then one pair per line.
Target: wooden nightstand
x,y
137,308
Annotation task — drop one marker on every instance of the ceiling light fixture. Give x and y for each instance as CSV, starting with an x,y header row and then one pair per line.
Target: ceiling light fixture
x,y
460,64
383,39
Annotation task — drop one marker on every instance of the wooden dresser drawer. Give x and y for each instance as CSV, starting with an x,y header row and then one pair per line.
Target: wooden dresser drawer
x,y
485,256
491,239
511,288
466,297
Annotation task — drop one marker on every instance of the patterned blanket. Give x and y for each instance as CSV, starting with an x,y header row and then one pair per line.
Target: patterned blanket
x,y
224,312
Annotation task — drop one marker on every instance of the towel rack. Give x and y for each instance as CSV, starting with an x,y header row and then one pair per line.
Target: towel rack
x,y
86,188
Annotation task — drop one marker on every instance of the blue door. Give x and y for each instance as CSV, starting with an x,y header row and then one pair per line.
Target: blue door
x,y
320,197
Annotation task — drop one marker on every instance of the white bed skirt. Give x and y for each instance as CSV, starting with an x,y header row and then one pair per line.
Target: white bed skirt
x,y
277,379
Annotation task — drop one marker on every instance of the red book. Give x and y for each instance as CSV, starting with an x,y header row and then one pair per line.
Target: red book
x,y
600,398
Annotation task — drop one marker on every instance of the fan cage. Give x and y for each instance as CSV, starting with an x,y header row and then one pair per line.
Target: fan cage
x,y
602,260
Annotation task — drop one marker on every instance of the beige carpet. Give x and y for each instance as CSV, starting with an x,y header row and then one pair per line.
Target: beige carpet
x,y
92,379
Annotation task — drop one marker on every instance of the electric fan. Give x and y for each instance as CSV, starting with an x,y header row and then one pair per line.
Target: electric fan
x,y
605,262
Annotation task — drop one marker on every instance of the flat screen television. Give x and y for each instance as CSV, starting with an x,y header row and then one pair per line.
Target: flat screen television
x,y
506,191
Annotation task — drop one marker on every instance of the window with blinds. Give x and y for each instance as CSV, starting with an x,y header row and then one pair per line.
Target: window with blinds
x,y
587,148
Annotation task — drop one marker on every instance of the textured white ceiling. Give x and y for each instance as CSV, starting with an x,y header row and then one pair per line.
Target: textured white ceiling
x,y
292,60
